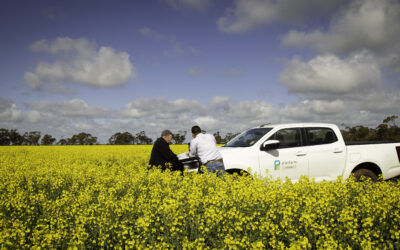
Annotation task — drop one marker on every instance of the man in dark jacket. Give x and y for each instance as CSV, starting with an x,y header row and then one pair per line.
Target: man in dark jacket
x,y
161,153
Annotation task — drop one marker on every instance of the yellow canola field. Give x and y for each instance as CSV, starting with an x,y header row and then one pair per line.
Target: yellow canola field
x,y
105,197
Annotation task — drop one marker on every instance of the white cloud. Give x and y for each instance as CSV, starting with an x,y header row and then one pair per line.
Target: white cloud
x,y
80,62
70,108
366,24
207,123
249,14
33,116
314,110
9,111
371,25
153,115
329,75
160,106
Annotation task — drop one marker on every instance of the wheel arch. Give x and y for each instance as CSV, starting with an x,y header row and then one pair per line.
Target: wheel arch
x,y
370,166
237,171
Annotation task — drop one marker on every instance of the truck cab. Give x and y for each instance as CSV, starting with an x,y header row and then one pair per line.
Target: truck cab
x,y
316,150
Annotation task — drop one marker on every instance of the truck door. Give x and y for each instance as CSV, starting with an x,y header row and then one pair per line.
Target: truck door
x,y
326,154
289,159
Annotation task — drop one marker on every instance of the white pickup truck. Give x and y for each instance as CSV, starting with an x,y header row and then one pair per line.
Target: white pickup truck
x,y
316,150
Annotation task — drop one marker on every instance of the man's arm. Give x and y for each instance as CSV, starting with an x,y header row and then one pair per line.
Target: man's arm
x,y
167,153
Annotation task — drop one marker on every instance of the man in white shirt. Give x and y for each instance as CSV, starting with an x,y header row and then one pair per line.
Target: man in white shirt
x,y
204,146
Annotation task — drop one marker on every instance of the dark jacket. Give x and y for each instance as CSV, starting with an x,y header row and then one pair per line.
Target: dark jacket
x,y
161,154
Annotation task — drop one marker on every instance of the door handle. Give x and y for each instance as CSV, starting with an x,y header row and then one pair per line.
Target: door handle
x,y
337,150
301,153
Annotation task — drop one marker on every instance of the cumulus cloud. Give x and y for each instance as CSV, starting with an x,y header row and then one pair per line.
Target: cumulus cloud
x,y
223,114
79,61
207,122
70,108
9,111
329,75
160,106
371,25
249,14
367,24
313,110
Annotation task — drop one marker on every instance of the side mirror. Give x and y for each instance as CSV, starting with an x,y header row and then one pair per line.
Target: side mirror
x,y
269,145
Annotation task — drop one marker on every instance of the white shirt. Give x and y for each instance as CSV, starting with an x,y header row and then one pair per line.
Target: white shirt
x,y
204,146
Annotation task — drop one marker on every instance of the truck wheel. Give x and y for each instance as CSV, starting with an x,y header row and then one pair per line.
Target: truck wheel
x,y
363,173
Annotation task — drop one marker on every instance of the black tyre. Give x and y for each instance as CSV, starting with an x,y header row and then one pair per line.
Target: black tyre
x,y
364,174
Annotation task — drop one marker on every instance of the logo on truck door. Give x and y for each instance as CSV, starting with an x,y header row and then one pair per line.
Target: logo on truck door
x,y
284,164
277,165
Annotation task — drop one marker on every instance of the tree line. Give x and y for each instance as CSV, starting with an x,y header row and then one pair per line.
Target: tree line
x,y
12,137
386,131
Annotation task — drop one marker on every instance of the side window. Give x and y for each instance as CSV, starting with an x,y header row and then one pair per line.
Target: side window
x,y
288,138
317,136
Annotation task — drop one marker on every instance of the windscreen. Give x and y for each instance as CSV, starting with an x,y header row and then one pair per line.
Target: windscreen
x,y
248,138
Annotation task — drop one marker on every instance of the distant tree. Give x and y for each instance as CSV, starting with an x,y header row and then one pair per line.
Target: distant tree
x,y
31,138
142,139
391,120
4,137
218,138
15,137
229,136
359,133
179,137
125,138
62,141
387,131
82,139
47,140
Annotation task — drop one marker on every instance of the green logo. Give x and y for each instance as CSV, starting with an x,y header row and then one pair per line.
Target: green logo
x,y
277,165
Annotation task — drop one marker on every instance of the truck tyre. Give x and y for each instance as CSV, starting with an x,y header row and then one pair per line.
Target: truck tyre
x,y
366,173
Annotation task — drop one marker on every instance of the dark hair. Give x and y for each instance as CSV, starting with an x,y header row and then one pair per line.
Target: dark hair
x,y
196,129
166,133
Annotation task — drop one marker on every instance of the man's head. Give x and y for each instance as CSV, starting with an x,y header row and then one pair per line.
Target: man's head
x,y
196,130
167,136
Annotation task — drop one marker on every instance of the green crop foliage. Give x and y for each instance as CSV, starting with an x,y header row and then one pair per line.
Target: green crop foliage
x,y
105,197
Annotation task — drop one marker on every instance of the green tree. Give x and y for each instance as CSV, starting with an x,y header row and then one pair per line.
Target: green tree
x,y
218,138
62,141
386,131
142,139
82,139
15,137
47,140
4,137
31,138
179,137
391,120
229,136
125,138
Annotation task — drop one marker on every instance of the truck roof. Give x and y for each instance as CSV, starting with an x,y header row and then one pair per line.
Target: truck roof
x,y
305,124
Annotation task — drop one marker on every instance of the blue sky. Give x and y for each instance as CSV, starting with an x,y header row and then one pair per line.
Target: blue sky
x,y
112,66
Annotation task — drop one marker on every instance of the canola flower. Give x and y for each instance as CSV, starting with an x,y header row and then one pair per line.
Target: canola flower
x,y
105,197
